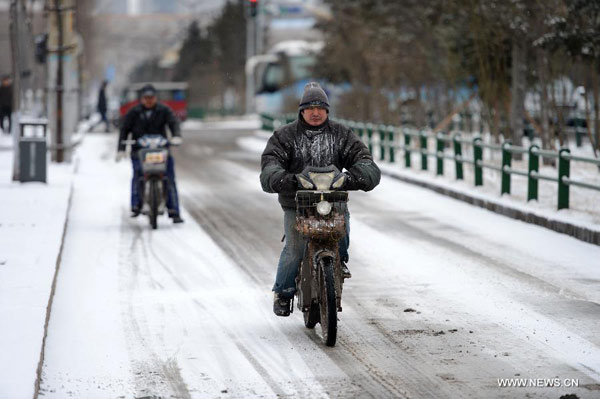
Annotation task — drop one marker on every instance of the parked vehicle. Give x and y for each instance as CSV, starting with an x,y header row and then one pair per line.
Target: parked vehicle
x,y
320,218
173,94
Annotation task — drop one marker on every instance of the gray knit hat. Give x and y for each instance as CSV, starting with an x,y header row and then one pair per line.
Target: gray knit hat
x,y
148,90
314,95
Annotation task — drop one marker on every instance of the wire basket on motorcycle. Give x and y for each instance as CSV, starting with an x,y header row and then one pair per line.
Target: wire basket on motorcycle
x,y
307,203
319,198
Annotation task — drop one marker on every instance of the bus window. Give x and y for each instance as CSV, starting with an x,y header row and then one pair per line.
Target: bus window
x,y
301,67
273,78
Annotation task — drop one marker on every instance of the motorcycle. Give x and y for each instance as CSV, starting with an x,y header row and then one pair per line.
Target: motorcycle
x,y
320,218
153,153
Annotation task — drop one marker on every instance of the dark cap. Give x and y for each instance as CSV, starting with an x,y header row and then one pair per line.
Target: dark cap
x,y
314,96
147,90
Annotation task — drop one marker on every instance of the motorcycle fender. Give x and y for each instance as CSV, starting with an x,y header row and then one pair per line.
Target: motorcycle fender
x,y
339,281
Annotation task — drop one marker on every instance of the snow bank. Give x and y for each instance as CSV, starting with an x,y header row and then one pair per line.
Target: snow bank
x,y
32,220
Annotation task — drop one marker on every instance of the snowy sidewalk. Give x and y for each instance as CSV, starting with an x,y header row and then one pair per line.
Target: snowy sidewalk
x,y
32,223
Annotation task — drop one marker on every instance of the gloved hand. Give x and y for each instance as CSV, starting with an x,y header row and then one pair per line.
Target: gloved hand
x,y
120,155
303,182
289,183
349,183
340,181
175,140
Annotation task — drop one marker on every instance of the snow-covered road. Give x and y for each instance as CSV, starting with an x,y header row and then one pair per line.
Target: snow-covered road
x,y
445,299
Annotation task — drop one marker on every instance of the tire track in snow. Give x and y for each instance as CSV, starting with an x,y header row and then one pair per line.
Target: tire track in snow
x,y
276,388
150,375
153,254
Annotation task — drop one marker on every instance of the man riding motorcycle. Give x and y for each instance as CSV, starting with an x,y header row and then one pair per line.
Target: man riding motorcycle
x,y
150,117
311,140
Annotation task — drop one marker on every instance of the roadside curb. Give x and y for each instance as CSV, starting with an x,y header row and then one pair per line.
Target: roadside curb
x,y
38,379
40,365
579,232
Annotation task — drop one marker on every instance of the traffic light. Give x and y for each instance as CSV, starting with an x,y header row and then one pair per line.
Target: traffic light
x,y
253,8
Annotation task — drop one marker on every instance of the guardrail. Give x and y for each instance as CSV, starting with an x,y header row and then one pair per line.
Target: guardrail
x,y
390,139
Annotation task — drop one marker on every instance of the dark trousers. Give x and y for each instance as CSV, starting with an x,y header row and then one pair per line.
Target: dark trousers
x,y
103,119
137,186
5,113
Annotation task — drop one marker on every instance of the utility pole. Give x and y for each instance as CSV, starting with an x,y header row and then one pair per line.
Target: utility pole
x,y
14,45
59,84
260,30
251,10
21,40
63,105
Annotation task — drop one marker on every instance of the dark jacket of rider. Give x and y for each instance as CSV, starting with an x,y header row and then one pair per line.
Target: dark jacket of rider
x,y
296,145
138,121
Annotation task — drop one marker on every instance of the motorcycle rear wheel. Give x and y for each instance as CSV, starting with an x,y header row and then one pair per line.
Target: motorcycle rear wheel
x,y
328,302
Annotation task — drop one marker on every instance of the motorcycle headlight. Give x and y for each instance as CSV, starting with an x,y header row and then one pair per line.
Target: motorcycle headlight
x,y
324,208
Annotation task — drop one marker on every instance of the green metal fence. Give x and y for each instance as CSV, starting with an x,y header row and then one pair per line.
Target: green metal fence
x,y
390,139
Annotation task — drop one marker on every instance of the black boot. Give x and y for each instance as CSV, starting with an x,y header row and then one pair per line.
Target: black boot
x,y
345,271
281,305
177,219
135,212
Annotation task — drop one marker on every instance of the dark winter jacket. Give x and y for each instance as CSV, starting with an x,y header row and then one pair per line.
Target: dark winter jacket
x,y
138,124
297,145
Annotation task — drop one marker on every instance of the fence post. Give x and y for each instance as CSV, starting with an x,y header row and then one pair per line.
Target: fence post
x,y
392,141
406,148
458,157
534,166
423,139
578,131
370,137
267,121
352,126
359,130
381,142
563,171
477,158
439,154
506,163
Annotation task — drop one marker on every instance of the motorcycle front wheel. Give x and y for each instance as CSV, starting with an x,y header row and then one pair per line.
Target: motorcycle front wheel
x,y
327,301
154,201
